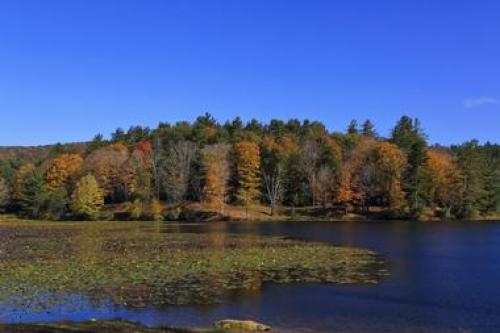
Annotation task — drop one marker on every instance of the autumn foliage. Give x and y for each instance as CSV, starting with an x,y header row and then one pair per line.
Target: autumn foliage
x,y
63,169
247,156
284,165
216,174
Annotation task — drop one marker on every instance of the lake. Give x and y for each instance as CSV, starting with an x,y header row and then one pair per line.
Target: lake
x,y
444,277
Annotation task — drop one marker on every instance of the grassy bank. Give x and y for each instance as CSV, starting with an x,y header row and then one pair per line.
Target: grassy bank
x,y
91,327
256,213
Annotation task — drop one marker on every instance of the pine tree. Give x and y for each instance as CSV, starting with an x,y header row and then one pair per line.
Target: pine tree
x,y
353,127
368,129
408,135
473,164
32,194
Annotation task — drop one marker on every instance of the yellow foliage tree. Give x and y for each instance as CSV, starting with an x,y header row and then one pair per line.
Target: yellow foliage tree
x,y
390,162
156,210
87,198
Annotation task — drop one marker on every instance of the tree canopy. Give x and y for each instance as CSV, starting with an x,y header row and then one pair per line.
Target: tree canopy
x,y
280,163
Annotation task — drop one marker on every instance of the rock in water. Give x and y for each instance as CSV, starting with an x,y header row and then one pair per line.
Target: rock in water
x,y
241,326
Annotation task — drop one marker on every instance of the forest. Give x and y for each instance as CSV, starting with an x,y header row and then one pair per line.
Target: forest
x,y
285,166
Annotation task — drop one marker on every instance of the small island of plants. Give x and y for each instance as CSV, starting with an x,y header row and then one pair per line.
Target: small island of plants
x,y
137,265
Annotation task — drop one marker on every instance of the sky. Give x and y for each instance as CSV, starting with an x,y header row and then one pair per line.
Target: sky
x,y
72,69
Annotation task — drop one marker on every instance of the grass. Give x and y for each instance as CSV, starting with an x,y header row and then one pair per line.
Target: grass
x,y
91,326
140,264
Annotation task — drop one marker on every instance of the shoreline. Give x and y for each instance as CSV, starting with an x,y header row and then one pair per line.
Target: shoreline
x,y
262,219
114,326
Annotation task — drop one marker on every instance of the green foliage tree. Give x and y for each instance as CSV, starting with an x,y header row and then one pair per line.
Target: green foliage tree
x,y
55,204
96,143
32,194
4,195
281,162
353,127
87,198
473,164
408,135
368,129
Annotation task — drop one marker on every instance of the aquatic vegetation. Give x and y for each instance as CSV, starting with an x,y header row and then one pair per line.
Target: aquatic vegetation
x,y
139,265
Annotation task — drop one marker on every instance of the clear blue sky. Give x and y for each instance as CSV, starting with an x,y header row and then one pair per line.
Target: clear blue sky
x,y
72,68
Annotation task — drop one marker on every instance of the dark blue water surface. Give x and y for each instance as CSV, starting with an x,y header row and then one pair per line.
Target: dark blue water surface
x,y
444,277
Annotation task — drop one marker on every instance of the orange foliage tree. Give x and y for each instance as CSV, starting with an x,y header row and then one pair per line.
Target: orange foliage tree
x,y
247,155
373,170
215,160
62,169
444,184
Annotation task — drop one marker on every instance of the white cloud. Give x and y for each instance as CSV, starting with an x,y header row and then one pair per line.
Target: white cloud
x,y
471,103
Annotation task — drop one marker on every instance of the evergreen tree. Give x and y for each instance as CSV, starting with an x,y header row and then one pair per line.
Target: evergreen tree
x,y
353,127
474,167
96,143
32,194
408,135
55,204
368,129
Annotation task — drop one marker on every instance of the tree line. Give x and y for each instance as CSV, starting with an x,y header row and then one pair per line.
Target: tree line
x,y
281,164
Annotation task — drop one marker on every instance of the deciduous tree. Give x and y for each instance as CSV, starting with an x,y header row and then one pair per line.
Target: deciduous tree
x,y
105,165
62,169
247,156
443,178
275,159
215,160
176,169
4,195
87,198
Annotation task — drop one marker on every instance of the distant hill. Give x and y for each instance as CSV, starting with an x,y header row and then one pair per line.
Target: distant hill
x,y
35,152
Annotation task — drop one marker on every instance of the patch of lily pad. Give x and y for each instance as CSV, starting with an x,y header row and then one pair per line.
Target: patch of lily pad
x,y
136,266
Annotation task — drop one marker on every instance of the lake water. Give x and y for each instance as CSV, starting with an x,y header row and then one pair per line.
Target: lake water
x,y
444,277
